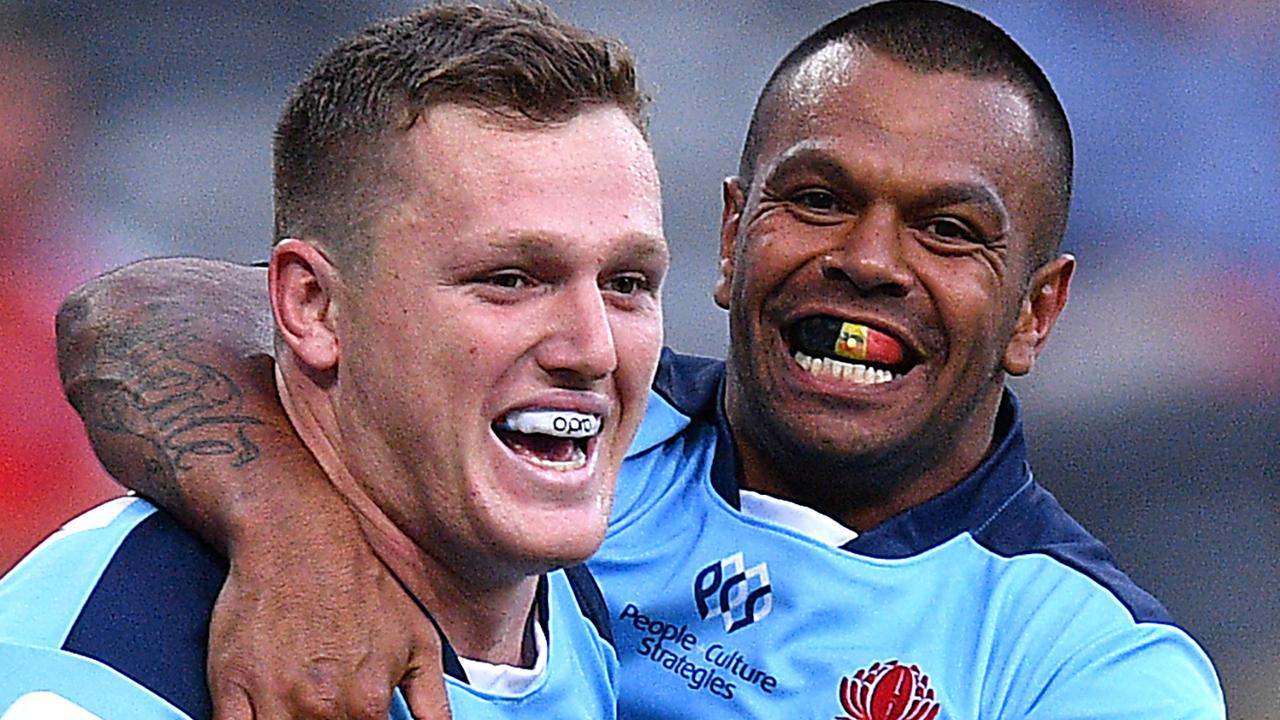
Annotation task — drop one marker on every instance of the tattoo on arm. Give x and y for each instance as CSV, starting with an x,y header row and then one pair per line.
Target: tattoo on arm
x,y
151,386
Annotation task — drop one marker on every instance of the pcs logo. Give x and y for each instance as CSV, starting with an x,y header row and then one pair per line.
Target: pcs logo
x,y
736,595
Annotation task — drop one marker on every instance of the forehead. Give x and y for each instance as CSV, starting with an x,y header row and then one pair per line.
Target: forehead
x,y
467,186
888,122
470,168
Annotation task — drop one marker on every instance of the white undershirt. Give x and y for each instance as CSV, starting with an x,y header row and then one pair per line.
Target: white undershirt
x,y
507,679
806,521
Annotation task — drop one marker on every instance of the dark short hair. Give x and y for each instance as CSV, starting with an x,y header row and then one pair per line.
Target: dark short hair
x,y
337,140
934,37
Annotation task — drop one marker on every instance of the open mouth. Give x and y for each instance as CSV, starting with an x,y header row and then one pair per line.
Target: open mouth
x,y
828,346
549,438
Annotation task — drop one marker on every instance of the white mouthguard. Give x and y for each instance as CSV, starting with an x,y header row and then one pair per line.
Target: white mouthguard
x,y
557,423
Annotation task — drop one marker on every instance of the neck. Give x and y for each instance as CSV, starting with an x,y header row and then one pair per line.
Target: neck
x,y
858,496
864,491
482,619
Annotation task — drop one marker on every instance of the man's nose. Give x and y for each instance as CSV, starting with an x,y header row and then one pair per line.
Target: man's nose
x,y
580,340
869,256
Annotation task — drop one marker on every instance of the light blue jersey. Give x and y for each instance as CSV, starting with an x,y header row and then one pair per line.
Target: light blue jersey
x,y
109,618
987,602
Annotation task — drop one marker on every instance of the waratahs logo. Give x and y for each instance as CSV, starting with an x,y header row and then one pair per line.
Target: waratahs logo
x,y
737,595
888,691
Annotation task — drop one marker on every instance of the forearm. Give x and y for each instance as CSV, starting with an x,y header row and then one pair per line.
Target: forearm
x,y
169,364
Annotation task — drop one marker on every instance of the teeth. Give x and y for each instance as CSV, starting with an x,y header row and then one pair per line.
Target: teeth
x,y
854,373
578,460
556,423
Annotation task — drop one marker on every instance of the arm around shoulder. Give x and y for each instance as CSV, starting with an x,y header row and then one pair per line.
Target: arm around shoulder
x,y
169,364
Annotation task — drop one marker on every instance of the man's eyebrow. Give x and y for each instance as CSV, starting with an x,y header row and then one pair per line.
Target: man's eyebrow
x,y
808,156
517,243
508,239
644,245
534,244
812,158
537,240
964,193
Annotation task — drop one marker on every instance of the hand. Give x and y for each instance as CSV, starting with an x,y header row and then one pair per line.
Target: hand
x,y
318,629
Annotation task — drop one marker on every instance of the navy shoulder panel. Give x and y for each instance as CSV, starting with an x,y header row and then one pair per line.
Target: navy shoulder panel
x,y
689,382
148,616
694,386
1034,522
590,600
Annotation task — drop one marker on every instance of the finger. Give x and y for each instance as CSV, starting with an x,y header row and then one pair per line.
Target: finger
x,y
367,695
425,693
423,684
231,703
233,700
267,706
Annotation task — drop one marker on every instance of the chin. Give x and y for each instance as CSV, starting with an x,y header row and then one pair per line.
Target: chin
x,y
556,541
578,547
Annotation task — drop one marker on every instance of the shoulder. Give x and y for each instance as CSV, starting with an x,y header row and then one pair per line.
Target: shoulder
x,y
1103,641
44,683
679,424
1033,523
127,588
685,390
689,383
1139,670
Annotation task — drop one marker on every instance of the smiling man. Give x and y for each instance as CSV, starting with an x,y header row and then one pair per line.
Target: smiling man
x,y
465,286
839,521
934,234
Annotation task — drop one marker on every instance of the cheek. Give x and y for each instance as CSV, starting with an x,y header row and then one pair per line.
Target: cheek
x,y
965,294
465,340
771,258
638,342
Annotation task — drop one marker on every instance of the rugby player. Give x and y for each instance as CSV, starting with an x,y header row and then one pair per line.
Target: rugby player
x,y
840,520
465,291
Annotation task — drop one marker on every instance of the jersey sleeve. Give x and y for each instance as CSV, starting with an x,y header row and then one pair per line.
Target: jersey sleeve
x,y
56,685
1149,671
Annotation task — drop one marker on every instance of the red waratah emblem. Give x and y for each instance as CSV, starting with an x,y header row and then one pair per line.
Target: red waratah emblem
x,y
888,692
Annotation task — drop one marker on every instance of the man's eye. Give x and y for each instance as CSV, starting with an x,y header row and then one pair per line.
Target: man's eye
x,y
627,284
951,230
510,280
820,200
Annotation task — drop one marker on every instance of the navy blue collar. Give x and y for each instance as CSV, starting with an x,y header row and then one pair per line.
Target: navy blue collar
x,y
967,507
449,657
696,386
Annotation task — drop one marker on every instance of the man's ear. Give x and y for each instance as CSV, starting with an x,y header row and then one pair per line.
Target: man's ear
x,y
302,284
1045,297
735,201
